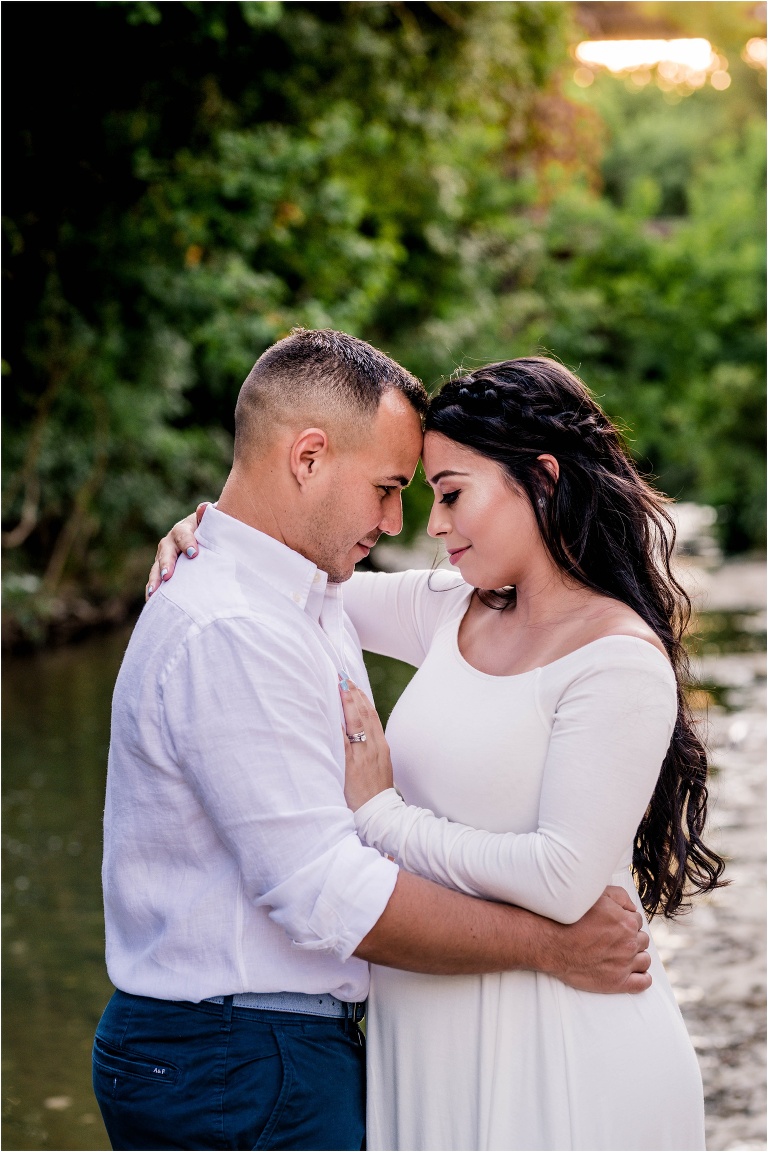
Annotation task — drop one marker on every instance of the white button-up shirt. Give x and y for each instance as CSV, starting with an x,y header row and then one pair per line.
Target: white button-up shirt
x,y
231,862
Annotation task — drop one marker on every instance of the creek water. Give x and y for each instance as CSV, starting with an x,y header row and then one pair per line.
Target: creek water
x,y
56,707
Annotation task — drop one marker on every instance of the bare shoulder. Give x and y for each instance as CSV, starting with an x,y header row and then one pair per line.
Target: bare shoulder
x,y
611,618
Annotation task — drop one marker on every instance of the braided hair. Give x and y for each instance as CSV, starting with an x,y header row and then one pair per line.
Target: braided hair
x,y
607,528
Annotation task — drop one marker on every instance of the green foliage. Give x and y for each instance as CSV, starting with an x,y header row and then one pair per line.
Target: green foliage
x,y
654,291
409,172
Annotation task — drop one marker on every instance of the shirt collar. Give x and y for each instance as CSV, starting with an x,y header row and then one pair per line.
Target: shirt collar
x,y
289,573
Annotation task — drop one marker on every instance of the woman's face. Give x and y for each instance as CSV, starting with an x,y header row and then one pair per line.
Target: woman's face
x,y
488,526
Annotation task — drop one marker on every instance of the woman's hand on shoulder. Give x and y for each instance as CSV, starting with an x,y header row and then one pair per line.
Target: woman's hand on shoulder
x,y
181,538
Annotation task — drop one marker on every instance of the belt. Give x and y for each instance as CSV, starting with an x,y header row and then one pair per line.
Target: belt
x,y
311,1004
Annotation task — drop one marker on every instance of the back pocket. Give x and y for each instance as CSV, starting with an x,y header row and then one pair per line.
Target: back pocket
x,y
122,1061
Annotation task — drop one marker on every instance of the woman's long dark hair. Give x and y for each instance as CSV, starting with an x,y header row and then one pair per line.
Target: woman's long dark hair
x,y
609,530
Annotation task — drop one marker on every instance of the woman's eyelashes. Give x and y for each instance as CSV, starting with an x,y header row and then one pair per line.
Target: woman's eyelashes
x,y
450,497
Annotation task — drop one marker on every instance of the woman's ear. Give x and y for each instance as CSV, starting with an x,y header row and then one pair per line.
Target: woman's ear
x,y
551,465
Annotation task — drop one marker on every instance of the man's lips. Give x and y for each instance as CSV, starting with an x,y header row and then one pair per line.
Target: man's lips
x,y
366,545
455,554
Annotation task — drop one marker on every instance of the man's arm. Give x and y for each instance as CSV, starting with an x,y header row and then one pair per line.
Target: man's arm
x,y
427,928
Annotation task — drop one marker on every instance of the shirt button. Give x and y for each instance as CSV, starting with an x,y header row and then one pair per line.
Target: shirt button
x,y
316,578
296,597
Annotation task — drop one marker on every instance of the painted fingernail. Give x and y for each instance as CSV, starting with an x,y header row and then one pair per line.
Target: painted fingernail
x,y
343,684
191,551
150,589
164,573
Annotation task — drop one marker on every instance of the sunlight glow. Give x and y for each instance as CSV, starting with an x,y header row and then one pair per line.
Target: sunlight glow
x,y
755,52
673,64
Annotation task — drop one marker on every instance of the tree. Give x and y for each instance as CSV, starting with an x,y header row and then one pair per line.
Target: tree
x,y
210,176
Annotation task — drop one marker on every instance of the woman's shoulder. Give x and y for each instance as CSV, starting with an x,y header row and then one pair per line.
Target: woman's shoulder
x,y
611,678
613,639
614,667
610,619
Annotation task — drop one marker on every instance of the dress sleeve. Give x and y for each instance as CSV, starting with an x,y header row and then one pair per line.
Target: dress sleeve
x,y
397,613
611,731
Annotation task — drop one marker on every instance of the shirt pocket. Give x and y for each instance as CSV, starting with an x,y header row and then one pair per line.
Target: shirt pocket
x,y
124,1062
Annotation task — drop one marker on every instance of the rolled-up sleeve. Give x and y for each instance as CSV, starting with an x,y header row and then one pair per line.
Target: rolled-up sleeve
x,y
256,729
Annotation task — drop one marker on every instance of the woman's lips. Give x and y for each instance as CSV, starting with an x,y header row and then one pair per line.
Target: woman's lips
x,y
456,555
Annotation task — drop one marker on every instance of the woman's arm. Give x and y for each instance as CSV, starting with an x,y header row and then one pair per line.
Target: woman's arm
x,y
611,732
396,613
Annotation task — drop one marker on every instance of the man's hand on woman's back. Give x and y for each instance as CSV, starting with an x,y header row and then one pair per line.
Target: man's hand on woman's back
x,y
605,951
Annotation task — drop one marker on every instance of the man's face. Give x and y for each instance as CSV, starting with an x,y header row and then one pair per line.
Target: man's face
x,y
362,496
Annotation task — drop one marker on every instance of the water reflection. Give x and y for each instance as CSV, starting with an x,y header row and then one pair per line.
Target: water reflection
x,y
55,737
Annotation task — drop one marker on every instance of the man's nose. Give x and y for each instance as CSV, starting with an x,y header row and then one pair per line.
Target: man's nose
x,y
392,520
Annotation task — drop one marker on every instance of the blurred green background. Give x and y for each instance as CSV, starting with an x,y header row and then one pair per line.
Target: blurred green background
x,y
187,181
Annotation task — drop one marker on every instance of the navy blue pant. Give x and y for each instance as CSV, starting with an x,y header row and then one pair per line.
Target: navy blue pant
x,y
180,1075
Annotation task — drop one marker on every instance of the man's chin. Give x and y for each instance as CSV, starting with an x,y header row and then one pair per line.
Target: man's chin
x,y
346,567
343,573
340,577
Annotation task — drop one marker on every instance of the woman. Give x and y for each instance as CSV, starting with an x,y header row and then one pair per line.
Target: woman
x,y
542,749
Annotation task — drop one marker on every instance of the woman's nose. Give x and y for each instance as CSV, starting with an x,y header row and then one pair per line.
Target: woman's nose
x,y
436,525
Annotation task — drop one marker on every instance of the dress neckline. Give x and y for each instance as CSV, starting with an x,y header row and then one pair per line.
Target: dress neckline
x,y
551,664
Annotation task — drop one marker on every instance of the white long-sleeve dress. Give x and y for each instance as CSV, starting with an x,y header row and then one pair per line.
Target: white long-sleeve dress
x,y
526,789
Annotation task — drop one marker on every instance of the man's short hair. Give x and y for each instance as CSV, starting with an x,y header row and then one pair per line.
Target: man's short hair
x,y
314,376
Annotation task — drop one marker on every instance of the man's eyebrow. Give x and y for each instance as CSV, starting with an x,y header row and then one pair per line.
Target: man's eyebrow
x,y
444,473
403,481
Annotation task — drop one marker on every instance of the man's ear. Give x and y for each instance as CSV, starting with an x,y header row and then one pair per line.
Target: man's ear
x,y
551,465
308,453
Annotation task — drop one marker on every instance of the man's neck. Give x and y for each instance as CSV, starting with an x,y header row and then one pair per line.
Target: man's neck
x,y
250,500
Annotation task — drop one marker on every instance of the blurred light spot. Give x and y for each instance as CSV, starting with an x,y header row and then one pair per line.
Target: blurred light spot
x,y
738,732
22,883
88,1118
57,1103
640,77
720,80
193,256
583,77
755,52
74,847
682,64
18,948
55,843
37,779
624,55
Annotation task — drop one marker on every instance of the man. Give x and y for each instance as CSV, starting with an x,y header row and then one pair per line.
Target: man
x,y
241,909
